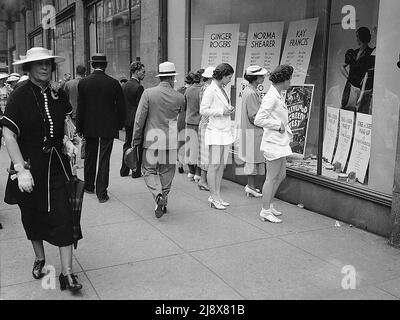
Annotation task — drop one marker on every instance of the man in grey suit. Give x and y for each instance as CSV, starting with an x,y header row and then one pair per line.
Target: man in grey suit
x,y
156,126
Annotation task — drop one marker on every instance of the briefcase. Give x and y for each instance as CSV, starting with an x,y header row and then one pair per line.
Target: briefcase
x,y
131,158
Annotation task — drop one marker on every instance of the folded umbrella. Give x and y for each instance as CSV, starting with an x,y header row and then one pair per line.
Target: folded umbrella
x,y
75,198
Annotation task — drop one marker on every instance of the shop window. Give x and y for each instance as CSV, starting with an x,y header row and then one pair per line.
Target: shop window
x,y
64,36
361,111
108,27
271,45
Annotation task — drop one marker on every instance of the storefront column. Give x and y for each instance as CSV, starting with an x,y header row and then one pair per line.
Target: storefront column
x,y
79,34
150,40
394,239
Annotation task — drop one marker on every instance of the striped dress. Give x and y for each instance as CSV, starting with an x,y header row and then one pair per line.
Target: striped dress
x,y
203,158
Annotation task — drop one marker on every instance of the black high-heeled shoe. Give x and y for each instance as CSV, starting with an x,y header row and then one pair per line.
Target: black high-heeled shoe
x,y
37,269
70,282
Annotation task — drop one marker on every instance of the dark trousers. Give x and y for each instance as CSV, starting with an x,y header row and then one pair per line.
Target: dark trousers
x,y
102,178
124,171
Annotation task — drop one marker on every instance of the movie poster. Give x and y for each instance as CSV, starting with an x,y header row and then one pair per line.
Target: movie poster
x,y
299,101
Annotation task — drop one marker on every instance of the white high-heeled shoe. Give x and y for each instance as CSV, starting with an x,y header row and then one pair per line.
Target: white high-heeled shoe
x,y
267,215
252,193
274,211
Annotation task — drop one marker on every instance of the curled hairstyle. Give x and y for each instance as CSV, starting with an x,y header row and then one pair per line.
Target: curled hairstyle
x,y
197,76
364,34
136,66
281,74
26,67
222,70
189,79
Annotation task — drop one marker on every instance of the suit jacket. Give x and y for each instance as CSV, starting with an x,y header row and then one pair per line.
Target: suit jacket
x,y
101,106
71,89
213,105
250,135
272,113
133,91
192,96
156,119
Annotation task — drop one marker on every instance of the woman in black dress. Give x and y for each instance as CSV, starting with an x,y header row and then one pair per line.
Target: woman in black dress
x,y
33,129
358,61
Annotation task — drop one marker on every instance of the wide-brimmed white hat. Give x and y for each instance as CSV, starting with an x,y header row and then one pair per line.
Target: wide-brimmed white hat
x,y
256,71
15,74
12,78
39,53
208,72
3,76
166,69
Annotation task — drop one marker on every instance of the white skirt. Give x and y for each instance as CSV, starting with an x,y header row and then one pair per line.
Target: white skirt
x,y
215,137
274,151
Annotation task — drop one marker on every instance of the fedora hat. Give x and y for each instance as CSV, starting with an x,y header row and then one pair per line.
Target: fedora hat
x,y
208,72
166,69
3,76
36,54
98,57
256,71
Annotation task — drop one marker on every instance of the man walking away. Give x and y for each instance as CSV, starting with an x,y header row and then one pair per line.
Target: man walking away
x,y
100,114
71,89
132,92
157,115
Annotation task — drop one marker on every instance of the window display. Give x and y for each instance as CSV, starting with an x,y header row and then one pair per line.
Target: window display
x,y
354,115
354,82
271,33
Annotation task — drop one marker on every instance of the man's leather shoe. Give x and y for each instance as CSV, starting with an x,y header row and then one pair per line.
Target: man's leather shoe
x,y
89,191
160,207
105,199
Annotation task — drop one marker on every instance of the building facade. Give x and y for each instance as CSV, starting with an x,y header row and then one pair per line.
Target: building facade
x,y
125,30
346,160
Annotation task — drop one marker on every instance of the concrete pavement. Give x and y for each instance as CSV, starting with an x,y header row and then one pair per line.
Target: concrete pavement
x,y
195,252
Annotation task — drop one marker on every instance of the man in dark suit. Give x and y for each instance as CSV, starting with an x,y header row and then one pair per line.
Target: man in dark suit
x,y
132,92
156,126
100,115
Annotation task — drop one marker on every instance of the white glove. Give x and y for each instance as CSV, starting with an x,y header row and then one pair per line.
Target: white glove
x,y
25,181
70,149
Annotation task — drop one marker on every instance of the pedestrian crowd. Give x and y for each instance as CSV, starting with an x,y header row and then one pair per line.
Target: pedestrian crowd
x,y
167,127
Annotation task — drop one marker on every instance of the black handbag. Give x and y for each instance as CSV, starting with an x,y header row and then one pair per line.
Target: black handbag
x,y
131,158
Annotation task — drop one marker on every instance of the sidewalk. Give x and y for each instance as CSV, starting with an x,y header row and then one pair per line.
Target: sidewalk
x,y
195,252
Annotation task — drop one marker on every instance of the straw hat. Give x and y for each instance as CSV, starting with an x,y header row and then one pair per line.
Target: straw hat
x,y
256,71
3,76
15,74
208,72
98,57
12,78
37,54
166,69
23,78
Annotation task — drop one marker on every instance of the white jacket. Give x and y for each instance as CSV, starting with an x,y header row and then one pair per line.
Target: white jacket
x,y
213,105
271,114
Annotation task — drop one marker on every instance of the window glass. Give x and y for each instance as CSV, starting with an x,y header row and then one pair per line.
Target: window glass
x,y
37,41
110,34
64,47
361,111
287,13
